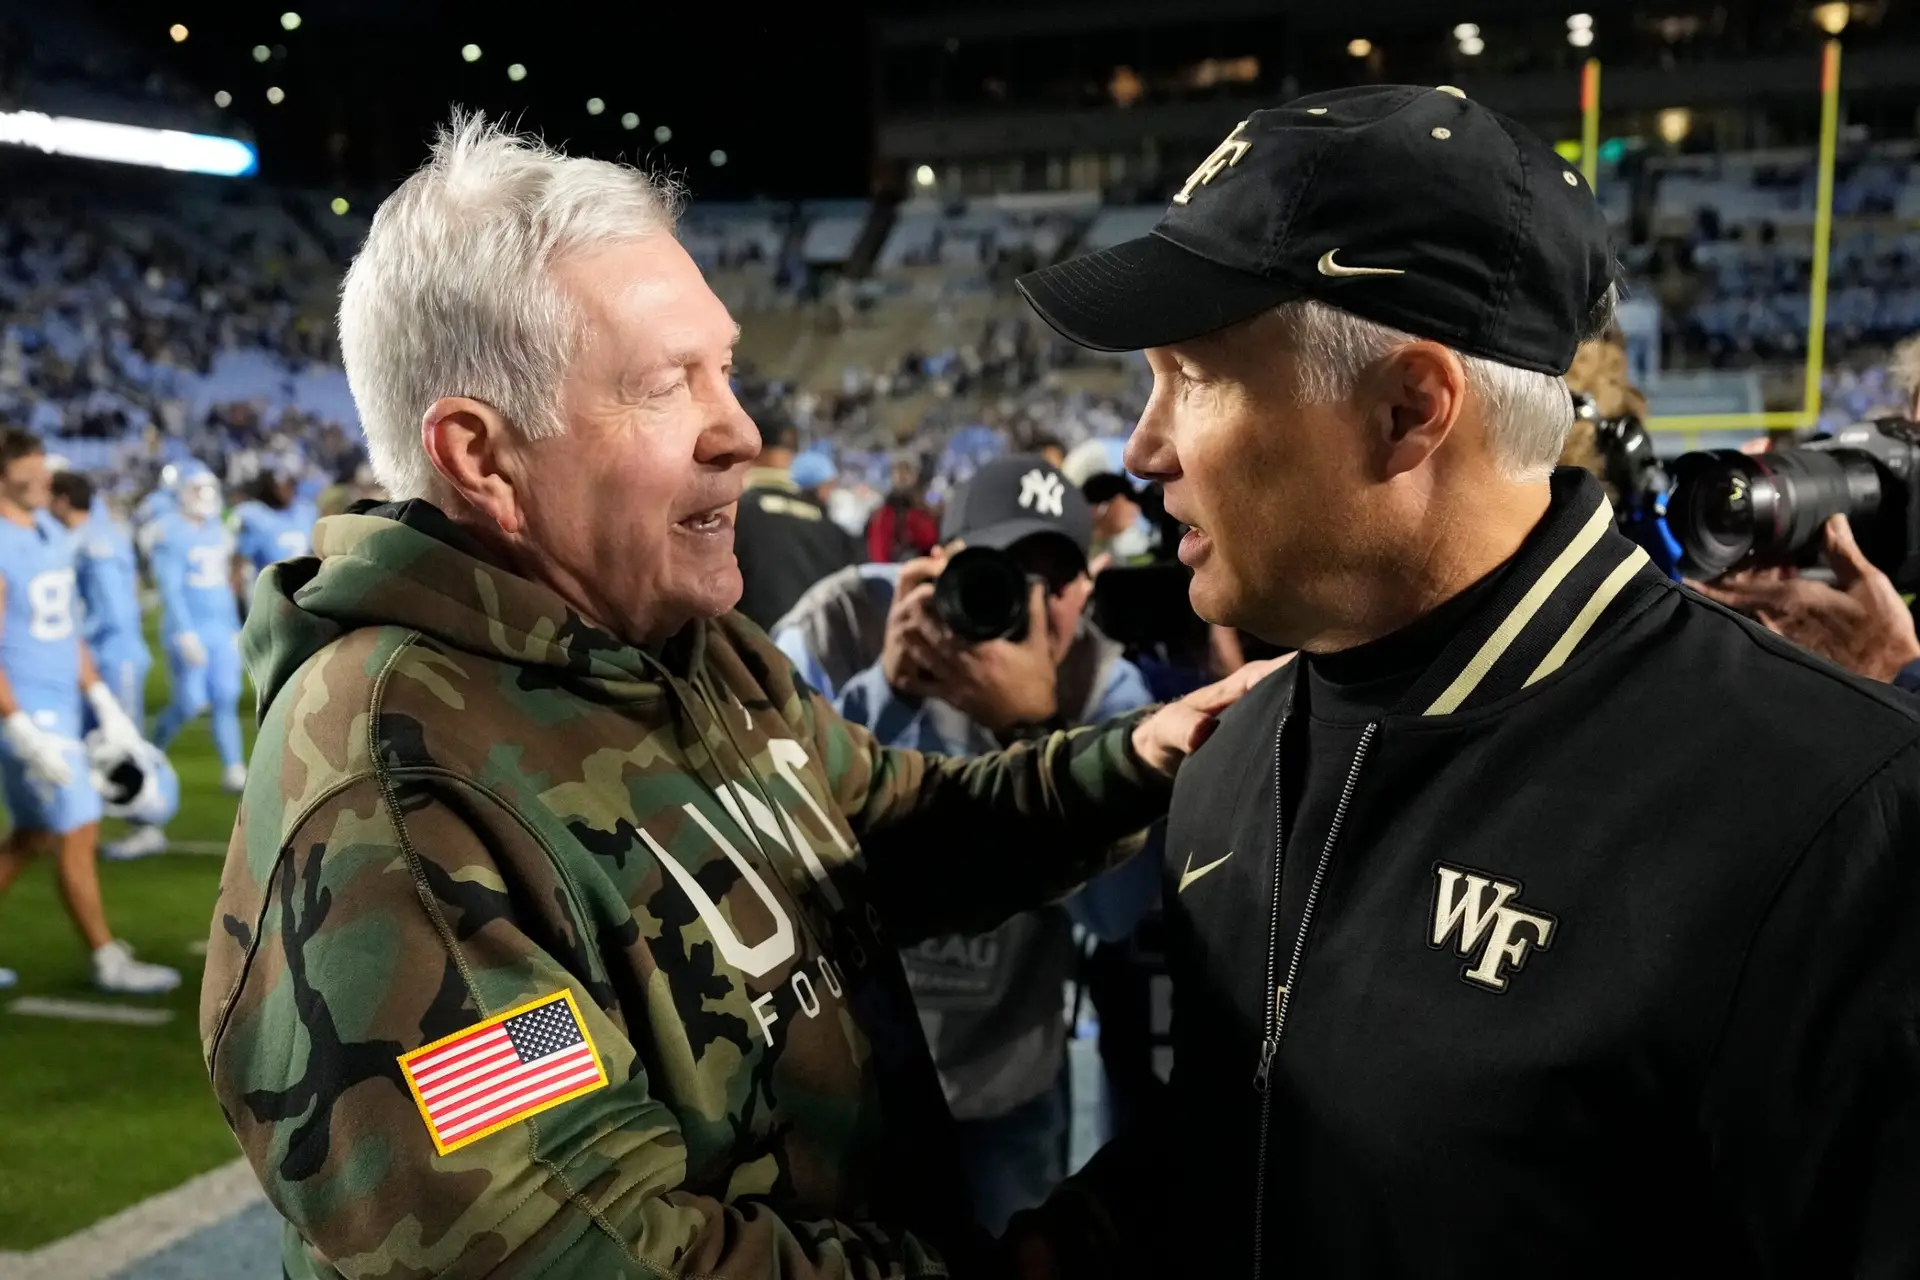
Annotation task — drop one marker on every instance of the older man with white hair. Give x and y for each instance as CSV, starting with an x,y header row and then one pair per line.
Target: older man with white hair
x,y
1546,919
558,936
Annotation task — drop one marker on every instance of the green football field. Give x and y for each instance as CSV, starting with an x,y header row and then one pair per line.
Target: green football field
x,y
100,1115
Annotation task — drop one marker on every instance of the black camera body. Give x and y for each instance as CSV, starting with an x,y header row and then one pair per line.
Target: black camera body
x,y
981,595
1628,461
1732,510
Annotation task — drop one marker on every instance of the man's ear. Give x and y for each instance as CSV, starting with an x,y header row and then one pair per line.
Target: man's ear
x,y
1418,394
474,448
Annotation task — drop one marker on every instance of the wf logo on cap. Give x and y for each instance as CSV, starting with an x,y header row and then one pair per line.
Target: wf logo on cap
x,y
1224,156
1042,492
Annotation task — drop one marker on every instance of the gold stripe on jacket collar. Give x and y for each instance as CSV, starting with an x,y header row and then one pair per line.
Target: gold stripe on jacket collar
x,y
1514,623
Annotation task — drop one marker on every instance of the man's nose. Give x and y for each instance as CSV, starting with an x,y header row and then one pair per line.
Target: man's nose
x,y
1149,453
731,438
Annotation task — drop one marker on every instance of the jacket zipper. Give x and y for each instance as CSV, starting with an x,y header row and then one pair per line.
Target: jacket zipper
x,y
1278,998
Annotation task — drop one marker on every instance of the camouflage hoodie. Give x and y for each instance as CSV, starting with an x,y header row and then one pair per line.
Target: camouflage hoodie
x,y
464,799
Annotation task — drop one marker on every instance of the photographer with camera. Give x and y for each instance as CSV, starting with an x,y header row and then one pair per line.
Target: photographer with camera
x,y
1858,622
1765,520
985,643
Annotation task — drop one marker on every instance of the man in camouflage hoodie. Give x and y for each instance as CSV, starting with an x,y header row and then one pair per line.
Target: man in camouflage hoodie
x,y
558,936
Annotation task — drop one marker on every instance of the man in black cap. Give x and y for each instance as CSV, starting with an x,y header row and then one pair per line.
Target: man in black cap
x,y
1547,919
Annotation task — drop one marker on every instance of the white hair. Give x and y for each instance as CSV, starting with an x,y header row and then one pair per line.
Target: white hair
x,y
1529,415
453,292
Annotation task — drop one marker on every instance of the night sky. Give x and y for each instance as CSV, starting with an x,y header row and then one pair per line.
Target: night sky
x,y
783,89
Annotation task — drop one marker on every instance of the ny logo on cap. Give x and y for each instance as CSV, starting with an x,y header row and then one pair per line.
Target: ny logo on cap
x,y
1224,156
1041,491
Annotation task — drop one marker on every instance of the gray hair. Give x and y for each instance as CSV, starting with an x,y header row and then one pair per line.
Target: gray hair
x,y
453,293
1529,415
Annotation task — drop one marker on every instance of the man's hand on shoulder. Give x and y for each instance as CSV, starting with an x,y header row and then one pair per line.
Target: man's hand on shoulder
x,y
1175,731
1859,623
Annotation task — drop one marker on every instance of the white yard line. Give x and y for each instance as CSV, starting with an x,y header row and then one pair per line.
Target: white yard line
x,y
140,1231
131,1015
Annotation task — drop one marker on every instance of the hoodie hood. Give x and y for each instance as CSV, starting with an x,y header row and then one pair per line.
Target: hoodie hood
x,y
407,565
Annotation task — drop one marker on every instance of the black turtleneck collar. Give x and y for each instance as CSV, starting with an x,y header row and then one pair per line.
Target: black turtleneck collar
x,y
1520,624
1368,680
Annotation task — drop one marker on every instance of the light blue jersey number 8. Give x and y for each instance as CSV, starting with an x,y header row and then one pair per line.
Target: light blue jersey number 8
x,y
50,597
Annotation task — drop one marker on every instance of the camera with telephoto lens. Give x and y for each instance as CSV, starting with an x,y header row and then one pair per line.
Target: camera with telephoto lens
x,y
1732,510
982,595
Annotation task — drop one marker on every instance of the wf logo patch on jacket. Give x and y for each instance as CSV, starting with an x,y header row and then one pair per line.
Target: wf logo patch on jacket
x,y
1479,914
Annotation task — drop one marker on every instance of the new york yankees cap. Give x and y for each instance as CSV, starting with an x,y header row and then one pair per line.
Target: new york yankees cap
x,y
1014,497
1413,207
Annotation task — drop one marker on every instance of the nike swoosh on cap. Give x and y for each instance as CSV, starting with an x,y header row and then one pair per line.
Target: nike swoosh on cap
x,y
1328,267
1193,873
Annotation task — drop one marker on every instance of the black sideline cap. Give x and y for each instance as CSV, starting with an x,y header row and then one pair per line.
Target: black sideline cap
x,y
1411,207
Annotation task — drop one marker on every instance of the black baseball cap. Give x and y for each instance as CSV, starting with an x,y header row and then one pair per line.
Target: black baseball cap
x,y
1413,207
1015,497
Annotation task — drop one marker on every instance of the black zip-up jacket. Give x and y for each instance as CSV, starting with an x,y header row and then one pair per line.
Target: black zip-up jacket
x,y
1598,956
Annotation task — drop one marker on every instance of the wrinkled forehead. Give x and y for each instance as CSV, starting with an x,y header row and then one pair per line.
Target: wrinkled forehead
x,y
645,304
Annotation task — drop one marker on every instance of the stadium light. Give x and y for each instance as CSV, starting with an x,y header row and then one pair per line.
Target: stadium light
x,y
1674,124
128,144
290,21
595,106
340,205
222,99
662,134
517,72
1580,22
1832,18
717,158
261,53
1466,31
631,120
1473,46
470,53
924,175
276,95
179,32
1580,37
1359,48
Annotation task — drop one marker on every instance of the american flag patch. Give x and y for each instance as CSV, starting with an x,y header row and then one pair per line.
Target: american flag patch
x,y
501,1071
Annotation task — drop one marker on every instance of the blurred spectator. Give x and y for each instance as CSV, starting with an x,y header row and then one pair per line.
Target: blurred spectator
x,y
902,527
1119,533
1049,448
782,536
1903,370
